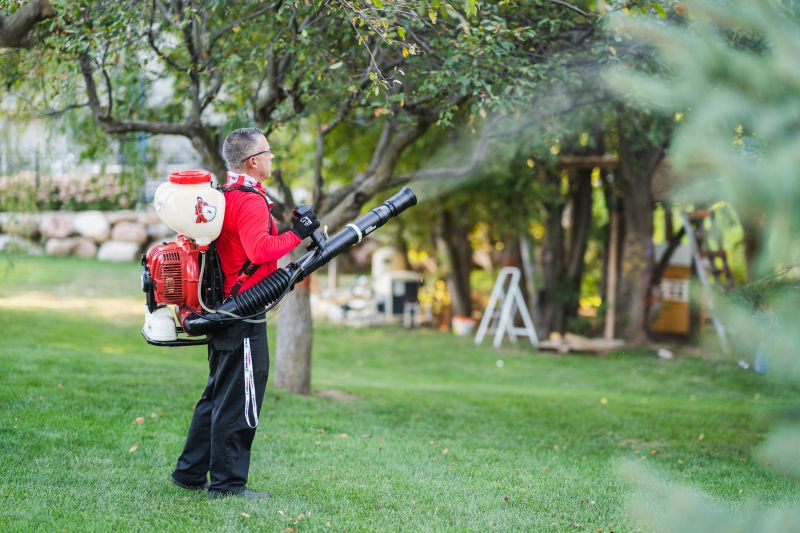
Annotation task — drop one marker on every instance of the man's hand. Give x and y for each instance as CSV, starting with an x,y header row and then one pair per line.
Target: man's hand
x,y
305,221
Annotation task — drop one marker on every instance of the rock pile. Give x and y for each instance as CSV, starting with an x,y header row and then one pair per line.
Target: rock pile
x,y
113,236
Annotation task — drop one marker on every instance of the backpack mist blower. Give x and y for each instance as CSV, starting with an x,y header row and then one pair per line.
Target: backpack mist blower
x,y
181,278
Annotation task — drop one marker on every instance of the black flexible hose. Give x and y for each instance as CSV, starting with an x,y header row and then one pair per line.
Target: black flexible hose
x,y
276,285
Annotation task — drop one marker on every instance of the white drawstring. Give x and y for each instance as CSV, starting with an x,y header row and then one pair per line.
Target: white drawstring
x,y
249,385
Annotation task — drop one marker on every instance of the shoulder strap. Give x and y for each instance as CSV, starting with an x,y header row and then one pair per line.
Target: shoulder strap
x,y
248,269
253,190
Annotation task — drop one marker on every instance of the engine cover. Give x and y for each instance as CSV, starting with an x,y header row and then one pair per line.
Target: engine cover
x,y
172,273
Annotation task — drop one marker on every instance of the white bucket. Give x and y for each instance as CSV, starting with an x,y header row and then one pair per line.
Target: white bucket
x,y
463,325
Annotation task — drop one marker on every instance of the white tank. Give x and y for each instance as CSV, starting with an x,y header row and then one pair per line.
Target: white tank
x,y
188,204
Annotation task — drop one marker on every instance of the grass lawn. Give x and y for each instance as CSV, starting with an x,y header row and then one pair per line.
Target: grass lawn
x,y
433,433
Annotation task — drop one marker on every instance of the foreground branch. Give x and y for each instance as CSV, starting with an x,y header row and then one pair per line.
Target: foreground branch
x,y
15,30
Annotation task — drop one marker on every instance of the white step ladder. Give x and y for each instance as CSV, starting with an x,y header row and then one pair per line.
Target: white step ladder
x,y
507,301
700,269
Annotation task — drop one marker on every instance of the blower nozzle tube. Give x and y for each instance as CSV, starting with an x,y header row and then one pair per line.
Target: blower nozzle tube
x,y
271,289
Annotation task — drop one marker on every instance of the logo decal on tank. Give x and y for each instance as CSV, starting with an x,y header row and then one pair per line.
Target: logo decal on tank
x,y
203,211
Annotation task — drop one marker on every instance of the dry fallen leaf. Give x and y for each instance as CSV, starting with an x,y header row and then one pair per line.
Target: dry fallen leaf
x,y
134,447
702,436
654,452
246,515
505,499
137,420
61,386
343,436
604,401
446,451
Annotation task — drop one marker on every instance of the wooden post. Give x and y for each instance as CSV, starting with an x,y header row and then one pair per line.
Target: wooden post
x,y
611,286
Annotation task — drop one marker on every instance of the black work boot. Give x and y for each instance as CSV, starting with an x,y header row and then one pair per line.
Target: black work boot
x,y
247,494
189,486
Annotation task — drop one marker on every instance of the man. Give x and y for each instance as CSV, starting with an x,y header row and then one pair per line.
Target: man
x,y
224,421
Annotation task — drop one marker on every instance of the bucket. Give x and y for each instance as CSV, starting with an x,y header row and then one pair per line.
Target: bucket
x,y
463,325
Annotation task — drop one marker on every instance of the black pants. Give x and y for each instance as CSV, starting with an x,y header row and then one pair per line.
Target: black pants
x,y
219,437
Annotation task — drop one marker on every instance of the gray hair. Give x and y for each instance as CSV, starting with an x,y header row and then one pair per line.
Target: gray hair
x,y
238,145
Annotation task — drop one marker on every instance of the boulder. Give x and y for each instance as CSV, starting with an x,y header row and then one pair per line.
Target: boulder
x,y
56,225
92,225
79,246
24,225
129,232
150,215
118,251
115,217
16,244
85,248
160,231
59,246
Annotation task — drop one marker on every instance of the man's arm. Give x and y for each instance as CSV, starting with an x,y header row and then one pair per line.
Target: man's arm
x,y
254,226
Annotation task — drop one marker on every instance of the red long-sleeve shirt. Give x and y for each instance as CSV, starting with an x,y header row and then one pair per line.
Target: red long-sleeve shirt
x,y
246,235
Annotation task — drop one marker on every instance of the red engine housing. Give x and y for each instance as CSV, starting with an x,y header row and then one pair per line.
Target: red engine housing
x,y
175,271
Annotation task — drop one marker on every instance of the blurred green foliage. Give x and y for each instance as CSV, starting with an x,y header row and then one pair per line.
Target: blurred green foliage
x,y
732,71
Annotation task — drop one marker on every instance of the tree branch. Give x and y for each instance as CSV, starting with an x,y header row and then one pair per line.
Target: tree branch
x,y
194,70
15,30
286,191
571,7
56,113
316,197
228,27
152,41
347,202
112,125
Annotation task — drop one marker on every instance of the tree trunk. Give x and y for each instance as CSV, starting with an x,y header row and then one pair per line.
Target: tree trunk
x,y
453,241
293,354
580,221
752,229
636,269
208,146
635,175
552,257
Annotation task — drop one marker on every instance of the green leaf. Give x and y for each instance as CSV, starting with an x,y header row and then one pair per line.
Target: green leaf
x,y
471,7
662,14
377,3
401,31
336,65
432,15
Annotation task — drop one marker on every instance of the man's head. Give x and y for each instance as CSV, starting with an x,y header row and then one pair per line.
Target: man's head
x,y
247,151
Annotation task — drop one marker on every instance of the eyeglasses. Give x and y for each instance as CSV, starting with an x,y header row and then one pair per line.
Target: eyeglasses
x,y
267,151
